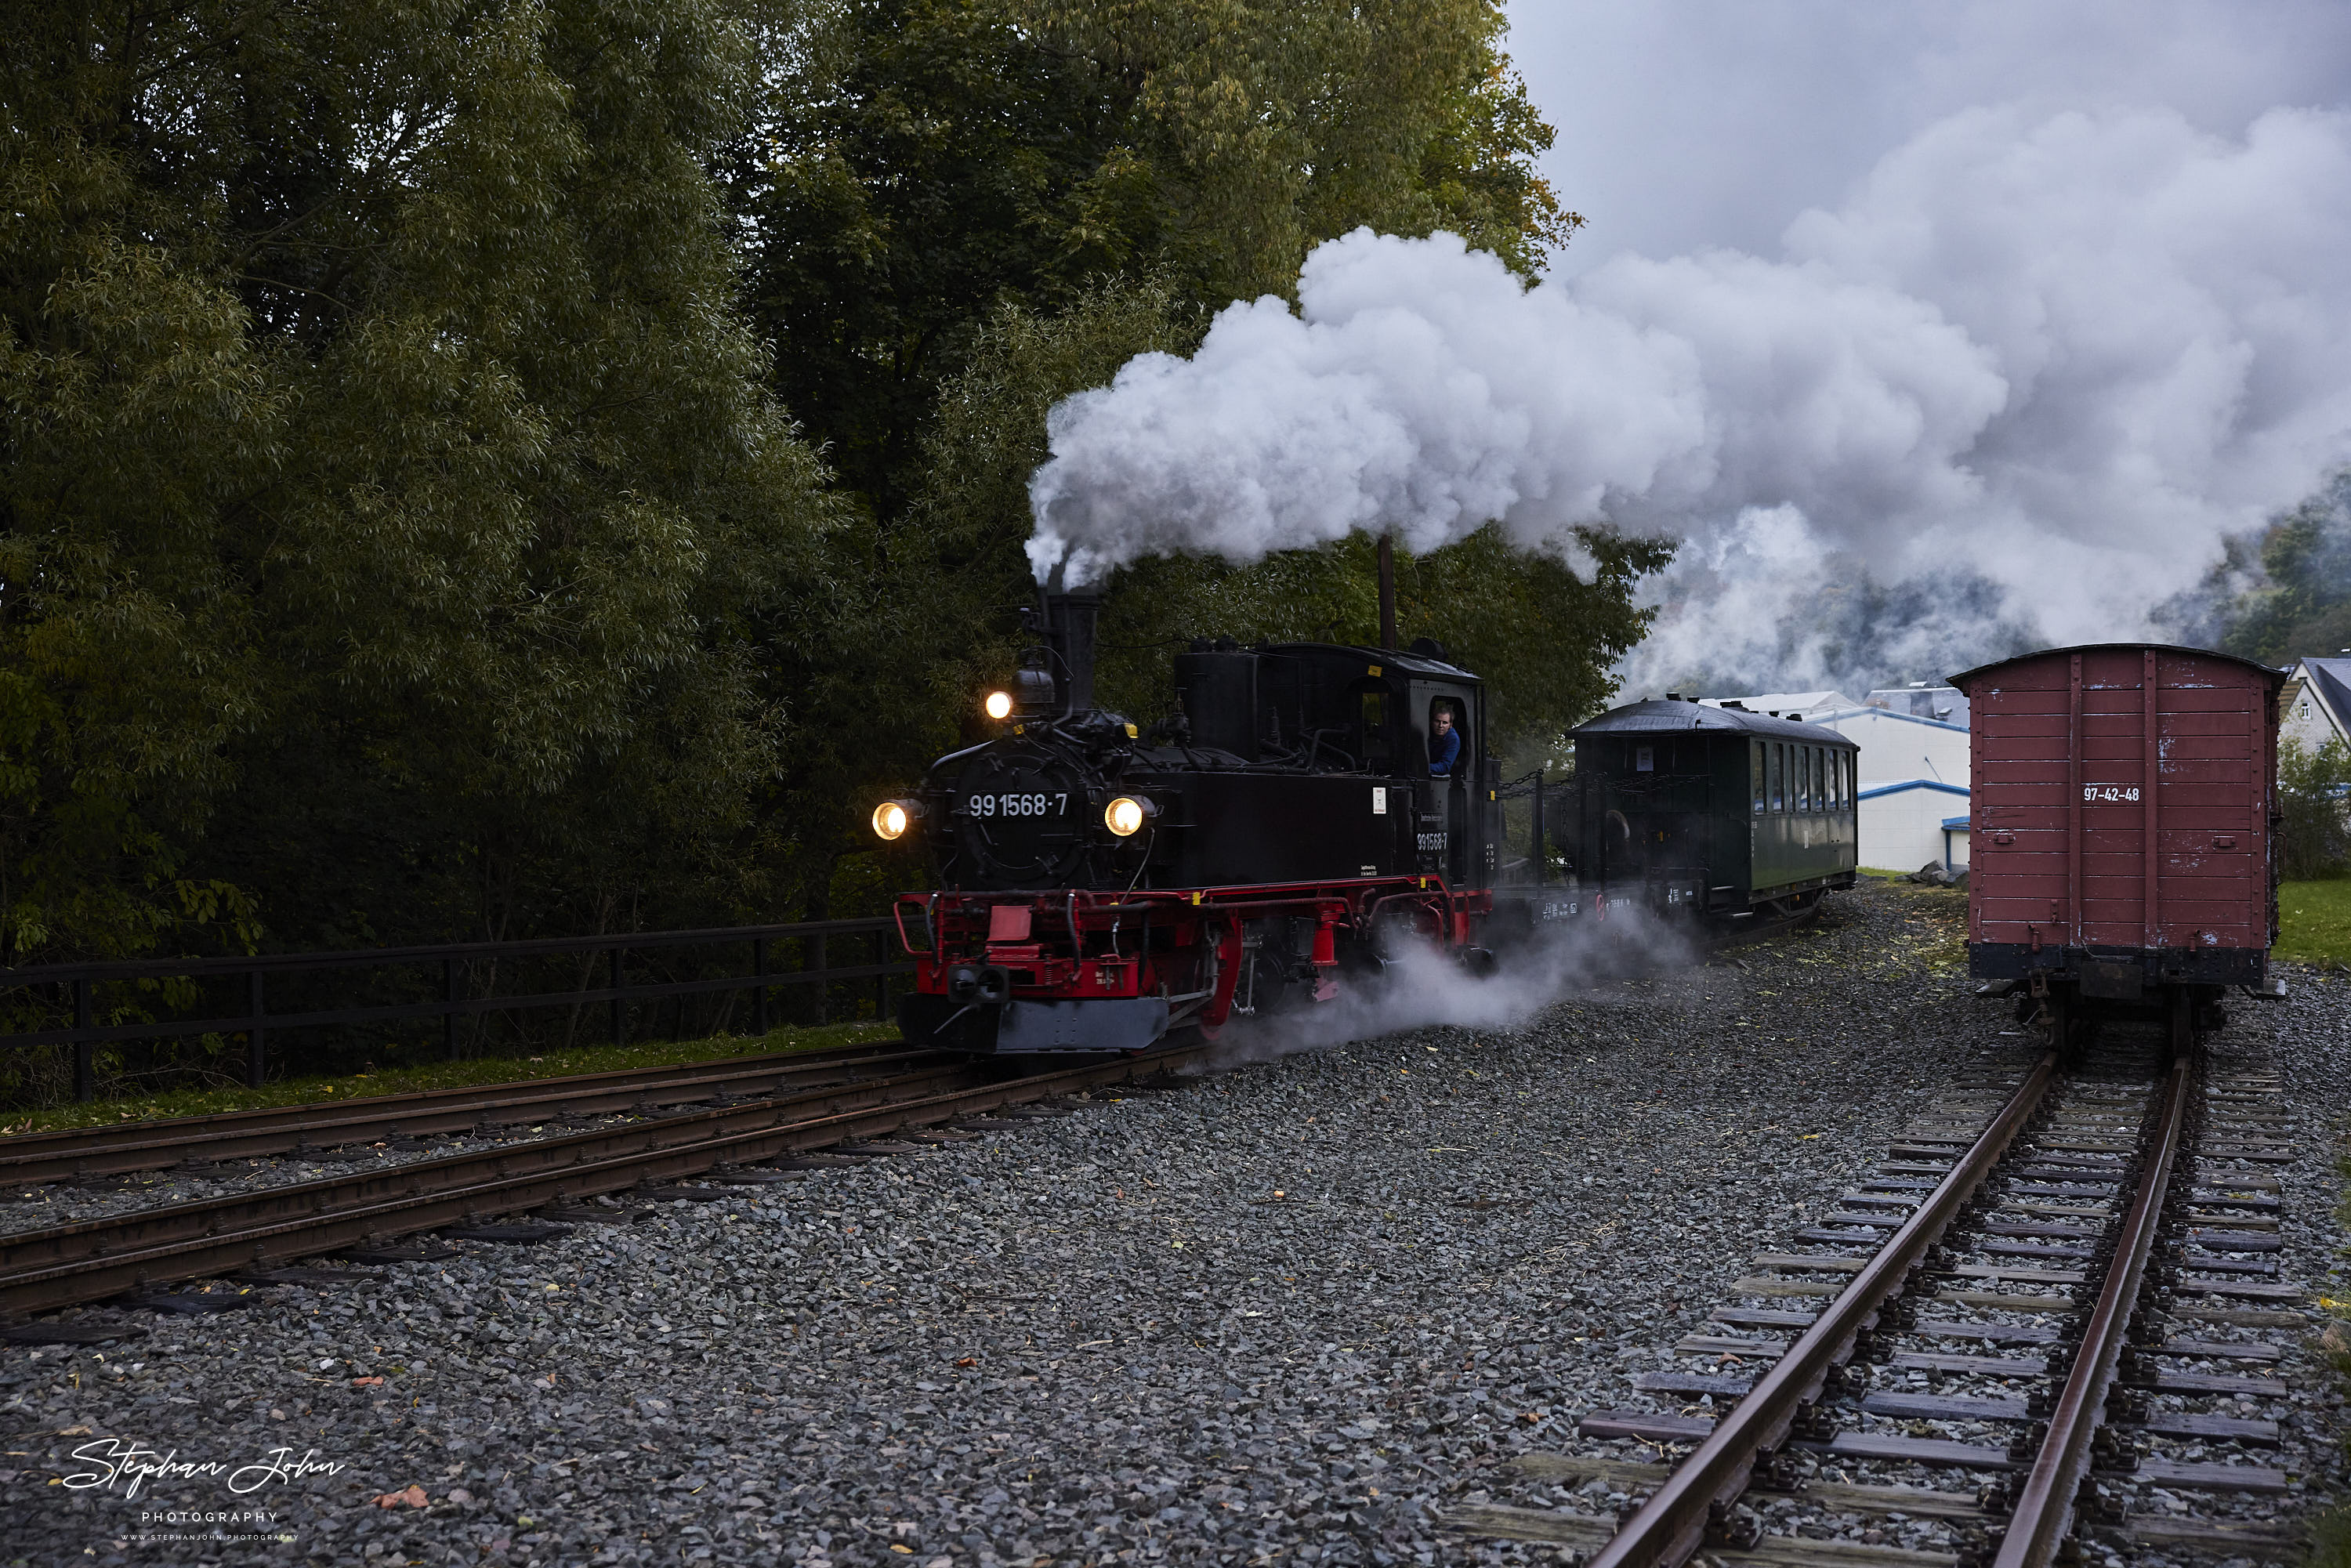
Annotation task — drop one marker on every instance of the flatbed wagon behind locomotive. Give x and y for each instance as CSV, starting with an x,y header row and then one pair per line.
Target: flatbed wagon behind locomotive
x,y
2123,818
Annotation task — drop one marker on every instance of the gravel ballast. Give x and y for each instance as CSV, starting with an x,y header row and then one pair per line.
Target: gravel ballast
x,y
1289,1314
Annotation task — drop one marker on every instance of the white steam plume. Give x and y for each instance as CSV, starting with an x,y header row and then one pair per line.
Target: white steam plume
x,y
2062,355
1423,985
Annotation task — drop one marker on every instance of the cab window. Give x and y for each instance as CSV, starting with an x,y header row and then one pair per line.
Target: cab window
x,y
1374,741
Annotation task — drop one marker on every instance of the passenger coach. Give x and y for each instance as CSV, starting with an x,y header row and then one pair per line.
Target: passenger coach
x,y
1714,811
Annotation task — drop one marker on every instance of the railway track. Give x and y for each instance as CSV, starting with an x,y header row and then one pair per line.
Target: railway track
x,y
86,1154
2009,1330
253,1235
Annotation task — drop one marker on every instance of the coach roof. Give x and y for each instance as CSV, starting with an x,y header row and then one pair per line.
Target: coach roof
x,y
1668,715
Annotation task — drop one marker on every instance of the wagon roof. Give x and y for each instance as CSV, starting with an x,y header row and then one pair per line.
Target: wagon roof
x,y
2277,678
1665,716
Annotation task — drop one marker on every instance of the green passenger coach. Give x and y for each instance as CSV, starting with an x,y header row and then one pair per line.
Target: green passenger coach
x,y
1712,811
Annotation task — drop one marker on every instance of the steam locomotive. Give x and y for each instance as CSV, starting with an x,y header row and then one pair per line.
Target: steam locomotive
x,y
1100,886
1284,834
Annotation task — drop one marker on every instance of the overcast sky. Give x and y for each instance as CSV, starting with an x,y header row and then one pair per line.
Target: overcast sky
x,y
1686,123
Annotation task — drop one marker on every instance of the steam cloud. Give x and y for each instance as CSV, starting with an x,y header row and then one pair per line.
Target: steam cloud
x,y
1423,985
2016,388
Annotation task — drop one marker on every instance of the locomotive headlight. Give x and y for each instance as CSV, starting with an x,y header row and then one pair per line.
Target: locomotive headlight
x,y
1126,815
998,704
891,818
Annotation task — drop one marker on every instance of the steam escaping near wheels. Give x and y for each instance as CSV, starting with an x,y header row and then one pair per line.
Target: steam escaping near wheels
x,y
1417,986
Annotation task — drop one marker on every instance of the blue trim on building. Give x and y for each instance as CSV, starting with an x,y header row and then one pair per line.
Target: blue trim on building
x,y
1887,713
1873,792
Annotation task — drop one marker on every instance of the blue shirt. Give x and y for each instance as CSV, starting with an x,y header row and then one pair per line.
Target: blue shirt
x,y
1443,751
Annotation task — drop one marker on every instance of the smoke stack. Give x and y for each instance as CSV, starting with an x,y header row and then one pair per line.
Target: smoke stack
x,y
1070,627
1387,593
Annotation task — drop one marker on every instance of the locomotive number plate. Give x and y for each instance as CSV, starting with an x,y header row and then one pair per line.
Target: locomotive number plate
x,y
1033,805
2109,793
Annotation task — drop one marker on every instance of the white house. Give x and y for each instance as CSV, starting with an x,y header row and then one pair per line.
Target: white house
x,y
1904,824
2315,705
1955,843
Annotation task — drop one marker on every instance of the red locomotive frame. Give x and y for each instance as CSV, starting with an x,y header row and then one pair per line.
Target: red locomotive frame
x,y
1188,948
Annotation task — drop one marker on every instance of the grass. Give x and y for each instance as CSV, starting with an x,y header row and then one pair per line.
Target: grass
x,y
2314,922
441,1075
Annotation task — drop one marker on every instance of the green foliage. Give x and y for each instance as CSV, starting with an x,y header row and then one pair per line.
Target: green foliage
x,y
391,498
2314,805
2298,605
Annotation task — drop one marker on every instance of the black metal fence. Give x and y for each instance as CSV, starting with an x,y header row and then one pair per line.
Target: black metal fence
x,y
488,998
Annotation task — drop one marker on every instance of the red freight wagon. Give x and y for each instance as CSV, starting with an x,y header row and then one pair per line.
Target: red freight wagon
x,y
2122,798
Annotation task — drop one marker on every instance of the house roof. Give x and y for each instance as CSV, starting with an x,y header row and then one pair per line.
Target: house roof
x,y
2329,680
1870,792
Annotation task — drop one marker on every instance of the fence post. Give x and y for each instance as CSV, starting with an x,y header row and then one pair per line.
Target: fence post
x,y
619,1008
760,990
1543,849
85,1050
812,958
449,1014
255,1061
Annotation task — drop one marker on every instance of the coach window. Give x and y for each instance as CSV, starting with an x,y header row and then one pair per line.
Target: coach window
x,y
1779,775
1755,773
1811,779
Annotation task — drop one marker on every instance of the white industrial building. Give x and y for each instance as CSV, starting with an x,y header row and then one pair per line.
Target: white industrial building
x,y
1913,772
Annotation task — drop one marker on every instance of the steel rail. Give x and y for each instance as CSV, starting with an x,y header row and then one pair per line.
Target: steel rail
x,y
2044,1508
596,1163
76,1152
41,1270
1670,1527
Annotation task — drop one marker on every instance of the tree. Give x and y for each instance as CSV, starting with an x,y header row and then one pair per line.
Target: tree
x,y
392,501
2314,810
2285,594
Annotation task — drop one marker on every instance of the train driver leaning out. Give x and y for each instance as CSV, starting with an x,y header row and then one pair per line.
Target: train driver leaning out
x,y
1444,744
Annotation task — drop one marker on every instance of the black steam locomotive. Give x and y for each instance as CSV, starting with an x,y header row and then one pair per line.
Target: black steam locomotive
x,y
1285,828
1100,886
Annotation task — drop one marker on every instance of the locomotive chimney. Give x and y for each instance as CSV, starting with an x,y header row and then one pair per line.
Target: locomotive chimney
x,y
1070,617
1387,594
